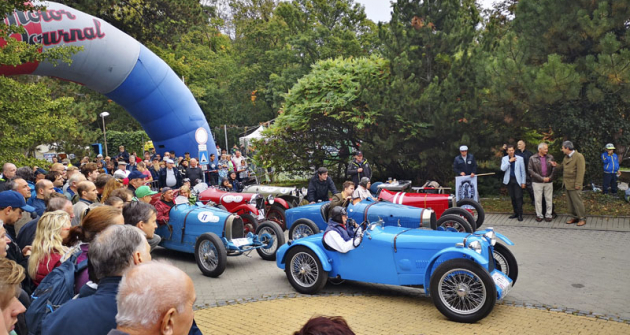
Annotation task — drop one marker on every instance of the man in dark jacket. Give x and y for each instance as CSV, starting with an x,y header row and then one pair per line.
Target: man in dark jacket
x,y
465,163
526,154
122,154
170,176
319,186
542,173
359,168
194,172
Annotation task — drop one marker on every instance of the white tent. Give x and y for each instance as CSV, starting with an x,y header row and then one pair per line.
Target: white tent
x,y
245,140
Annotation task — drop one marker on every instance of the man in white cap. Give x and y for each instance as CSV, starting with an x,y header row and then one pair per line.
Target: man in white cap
x,y
465,163
170,176
611,169
122,168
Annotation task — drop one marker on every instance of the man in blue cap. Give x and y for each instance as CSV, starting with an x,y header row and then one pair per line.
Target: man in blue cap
x,y
136,179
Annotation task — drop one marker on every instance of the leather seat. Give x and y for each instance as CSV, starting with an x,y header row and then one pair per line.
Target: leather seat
x,y
324,211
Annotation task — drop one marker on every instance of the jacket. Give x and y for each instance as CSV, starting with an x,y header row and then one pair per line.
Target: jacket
x,y
519,169
39,204
353,172
318,190
344,231
526,154
178,177
337,200
163,212
194,173
534,168
611,163
95,315
79,211
469,166
573,169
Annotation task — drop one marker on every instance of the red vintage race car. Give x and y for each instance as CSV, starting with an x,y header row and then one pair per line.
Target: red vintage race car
x,y
448,211
251,206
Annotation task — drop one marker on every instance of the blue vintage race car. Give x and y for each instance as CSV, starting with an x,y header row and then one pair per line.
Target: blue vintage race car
x,y
464,273
311,219
212,234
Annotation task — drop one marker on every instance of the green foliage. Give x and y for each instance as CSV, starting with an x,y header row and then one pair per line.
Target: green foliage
x,y
133,141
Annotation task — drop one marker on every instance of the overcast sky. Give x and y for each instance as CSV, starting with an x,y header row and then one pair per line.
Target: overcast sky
x,y
380,10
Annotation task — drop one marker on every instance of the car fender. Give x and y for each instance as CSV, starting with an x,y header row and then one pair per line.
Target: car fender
x,y
245,208
282,202
504,238
452,250
323,258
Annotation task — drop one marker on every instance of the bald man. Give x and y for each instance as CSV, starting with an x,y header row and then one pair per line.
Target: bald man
x,y
8,173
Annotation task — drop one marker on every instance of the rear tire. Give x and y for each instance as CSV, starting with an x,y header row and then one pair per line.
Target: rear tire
x,y
250,224
210,255
277,214
305,271
272,237
463,213
302,228
478,213
454,221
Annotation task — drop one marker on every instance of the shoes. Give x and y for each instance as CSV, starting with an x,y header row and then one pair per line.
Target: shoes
x,y
581,223
520,218
572,221
513,216
554,215
548,219
539,219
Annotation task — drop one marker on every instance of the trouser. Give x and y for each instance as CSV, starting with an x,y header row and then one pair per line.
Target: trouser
x,y
516,194
543,190
530,189
576,207
610,179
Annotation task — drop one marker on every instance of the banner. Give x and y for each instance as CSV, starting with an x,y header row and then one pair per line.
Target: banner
x,y
466,187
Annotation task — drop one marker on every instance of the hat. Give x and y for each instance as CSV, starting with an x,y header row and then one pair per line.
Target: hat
x,y
364,181
14,199
40,171
165,189
186,179
99,155
143,191
463,148
122,163
337,213
135,174
358,153
610,146
119,175
170,161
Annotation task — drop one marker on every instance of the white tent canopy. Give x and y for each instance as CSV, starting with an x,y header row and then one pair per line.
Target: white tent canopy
x,y
245,140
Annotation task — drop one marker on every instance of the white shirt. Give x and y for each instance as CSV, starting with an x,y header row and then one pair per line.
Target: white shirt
x,y
171,181
335,241
126,172
361,193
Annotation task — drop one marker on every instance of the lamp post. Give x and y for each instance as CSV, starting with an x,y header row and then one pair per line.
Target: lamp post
x,y
103,115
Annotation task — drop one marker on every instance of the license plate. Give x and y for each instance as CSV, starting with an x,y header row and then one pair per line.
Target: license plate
x,y
240,241
502,282
261,214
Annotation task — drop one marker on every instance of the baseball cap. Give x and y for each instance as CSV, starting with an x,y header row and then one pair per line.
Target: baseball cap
x,y
143,191
358,153
122,163
170,161
610,146
40,171
463,148
99,156
165,189
14,199
136,175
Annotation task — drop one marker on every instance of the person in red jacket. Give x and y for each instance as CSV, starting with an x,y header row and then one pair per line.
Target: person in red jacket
x,y
164,205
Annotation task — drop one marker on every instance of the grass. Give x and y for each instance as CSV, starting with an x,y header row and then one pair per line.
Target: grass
x,y
594,203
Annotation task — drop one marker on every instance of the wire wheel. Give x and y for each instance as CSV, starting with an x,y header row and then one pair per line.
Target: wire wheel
x,y
462,291
208,255
304,269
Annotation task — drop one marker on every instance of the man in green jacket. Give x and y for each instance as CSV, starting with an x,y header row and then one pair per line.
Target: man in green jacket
x,y
574,167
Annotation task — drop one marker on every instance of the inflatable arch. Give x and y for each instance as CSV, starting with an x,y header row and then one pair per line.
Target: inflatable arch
x,y
116,65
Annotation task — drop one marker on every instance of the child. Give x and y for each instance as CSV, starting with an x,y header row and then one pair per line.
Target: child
x,y
243,173
223,172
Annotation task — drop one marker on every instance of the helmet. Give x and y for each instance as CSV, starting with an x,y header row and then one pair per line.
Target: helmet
x,y
364,181
337,213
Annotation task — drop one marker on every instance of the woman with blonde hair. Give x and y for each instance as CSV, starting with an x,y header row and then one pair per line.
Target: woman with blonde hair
x,y
48,249
109,187
147,175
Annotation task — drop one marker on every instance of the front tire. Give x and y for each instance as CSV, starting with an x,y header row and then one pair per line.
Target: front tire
x,y
302,228
463,213
454,221
462,290
505,262
210,255
477,211
250,224
272,237
277,214
305,271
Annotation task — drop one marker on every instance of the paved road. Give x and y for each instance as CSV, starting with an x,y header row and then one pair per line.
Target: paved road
x,y
567,267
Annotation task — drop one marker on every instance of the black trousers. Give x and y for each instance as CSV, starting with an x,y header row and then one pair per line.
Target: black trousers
x,y
516,194
610,180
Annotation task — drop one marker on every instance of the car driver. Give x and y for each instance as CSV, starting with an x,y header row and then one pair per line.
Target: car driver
x,y
338,236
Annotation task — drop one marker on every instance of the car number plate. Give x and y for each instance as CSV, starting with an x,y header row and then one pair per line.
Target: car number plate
x,y
261,214
502,282
240,241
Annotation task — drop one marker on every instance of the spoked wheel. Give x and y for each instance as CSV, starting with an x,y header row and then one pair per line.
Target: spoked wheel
x,y
277,214
302,228
272,238
464,214
210,255
249,223
475,209
462,290
505,262
304,270
454,222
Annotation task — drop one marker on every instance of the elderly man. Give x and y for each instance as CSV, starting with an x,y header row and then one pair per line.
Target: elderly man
x,y
8,173
194,172
522,151
170,176
136,179
21,186
573,167
145,194
363,191
164,205
73,184
464,164
43,189
145,308
143,216
542,173
122,154
113,251
122,169
319,186
87,196
359,168
611,169
514,167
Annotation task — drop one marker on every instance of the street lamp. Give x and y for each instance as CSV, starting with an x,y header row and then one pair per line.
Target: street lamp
x,y
103,115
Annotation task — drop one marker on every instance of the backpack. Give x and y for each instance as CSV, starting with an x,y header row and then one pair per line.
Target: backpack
x,y
54,290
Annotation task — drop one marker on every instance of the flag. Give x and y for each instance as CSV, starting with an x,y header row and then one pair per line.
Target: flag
x,y
466,187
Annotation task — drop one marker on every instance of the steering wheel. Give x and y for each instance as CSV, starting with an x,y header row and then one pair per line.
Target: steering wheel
x,y
358,234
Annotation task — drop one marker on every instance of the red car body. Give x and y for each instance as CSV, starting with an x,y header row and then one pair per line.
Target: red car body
x,y
437,202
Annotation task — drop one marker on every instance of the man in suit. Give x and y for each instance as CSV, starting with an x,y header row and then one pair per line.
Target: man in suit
x,y
573,167
515,179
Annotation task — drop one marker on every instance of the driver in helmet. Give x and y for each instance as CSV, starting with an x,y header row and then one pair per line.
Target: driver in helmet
x,y
340,233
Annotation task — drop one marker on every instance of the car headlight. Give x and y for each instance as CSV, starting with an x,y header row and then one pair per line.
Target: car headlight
x,y
476,246
270,199
452,201
491,236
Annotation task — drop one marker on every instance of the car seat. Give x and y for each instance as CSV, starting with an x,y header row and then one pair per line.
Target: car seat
x,y
324,210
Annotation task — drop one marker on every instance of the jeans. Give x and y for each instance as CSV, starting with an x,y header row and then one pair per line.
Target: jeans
x,y
610,180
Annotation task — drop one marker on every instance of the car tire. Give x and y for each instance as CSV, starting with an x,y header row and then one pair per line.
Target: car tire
x,y
302,228
304,270
276,213
455,275
455,221
505,261
269,230
250,224
210,255
463,213
476,208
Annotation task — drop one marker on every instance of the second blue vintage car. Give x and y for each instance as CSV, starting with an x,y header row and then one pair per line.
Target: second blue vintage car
x,y
464,274
212,234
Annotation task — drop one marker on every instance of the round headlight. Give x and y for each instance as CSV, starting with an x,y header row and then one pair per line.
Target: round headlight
x,y
476,246
492,237
270,199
